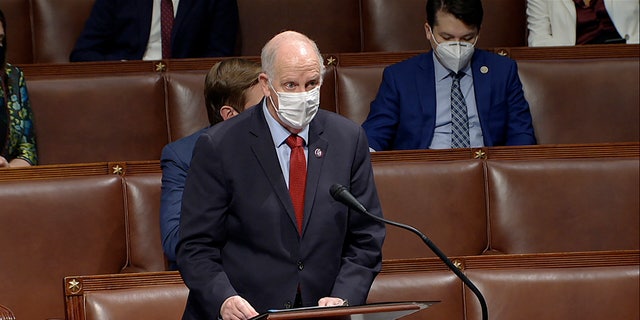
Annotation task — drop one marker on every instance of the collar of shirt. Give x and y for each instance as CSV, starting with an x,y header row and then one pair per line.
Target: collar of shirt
x,y
442,72
279,133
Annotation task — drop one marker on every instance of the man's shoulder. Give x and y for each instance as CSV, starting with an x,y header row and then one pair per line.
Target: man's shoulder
x,y
412,62
184,144
491,58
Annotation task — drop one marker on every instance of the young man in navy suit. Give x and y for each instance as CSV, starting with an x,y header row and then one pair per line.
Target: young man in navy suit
x,y
416,107
131,30
247,242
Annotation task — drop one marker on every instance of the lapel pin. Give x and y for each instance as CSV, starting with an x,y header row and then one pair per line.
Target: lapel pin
x,y
318,153
484,69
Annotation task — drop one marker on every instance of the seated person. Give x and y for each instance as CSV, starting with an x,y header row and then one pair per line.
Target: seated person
x,y
134,29
229,87
452,96
571,22
17,142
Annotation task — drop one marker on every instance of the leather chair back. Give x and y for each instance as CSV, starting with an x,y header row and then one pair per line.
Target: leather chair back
x,y
57,24
99,118
583,101
19,41
563,205
53,228
398,25
332,24
457,220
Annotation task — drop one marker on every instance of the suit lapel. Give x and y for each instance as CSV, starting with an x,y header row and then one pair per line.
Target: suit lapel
x,y
184,8
425,79
145,9
482,89
317,149
263,149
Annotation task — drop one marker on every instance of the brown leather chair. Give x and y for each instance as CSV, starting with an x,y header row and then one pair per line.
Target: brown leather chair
x,y
394,25
143,215
563,205
559,291
583,101
57,24
185,102
148,295
356,87
18,15
98,118
333,24
53,228
443,199
421,285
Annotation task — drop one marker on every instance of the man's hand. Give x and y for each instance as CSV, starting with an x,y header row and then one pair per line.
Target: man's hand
x,y
331,301
237,308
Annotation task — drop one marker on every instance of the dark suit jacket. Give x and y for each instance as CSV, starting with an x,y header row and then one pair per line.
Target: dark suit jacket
x,y
119,30
175,161
238,231
403,114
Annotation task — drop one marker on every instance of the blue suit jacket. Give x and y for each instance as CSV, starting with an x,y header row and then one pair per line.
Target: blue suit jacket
x,y
119,30
238,233
403,114
175,161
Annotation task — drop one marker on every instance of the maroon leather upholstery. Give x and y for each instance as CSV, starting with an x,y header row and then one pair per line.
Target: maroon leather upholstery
x,y
185,103
561,205
333,24
19,41
53,228
152,302
442,286
557,293
356,87
457,220
583,101
143,215
99,118
395,25
57,24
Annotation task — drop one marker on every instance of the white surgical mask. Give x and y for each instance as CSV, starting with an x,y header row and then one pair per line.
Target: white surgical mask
x,y
297,109
454,55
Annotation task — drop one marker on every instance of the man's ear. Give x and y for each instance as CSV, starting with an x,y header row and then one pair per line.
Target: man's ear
x,y
228,112
427,31
264,84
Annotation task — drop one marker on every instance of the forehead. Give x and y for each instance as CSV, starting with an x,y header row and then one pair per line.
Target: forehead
x,y
297,61
448,23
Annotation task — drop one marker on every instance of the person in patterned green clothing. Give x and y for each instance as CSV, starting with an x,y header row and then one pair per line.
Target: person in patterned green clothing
x,y
17,136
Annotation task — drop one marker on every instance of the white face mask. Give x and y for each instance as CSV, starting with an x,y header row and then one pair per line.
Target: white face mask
x,y
297,109
454,55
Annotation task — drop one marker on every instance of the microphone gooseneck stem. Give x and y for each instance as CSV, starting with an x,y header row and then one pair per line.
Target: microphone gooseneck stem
x,y
442,256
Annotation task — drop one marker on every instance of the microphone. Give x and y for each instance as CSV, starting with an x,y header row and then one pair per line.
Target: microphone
x,y
342,194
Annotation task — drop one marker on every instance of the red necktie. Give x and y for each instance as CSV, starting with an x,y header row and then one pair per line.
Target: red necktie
x,y
166,24
297,176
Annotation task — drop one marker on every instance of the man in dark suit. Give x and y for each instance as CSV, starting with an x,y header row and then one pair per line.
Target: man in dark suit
x,y
247,242
131,30
414,108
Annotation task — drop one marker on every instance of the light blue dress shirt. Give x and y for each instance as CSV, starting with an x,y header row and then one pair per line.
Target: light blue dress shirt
x,y
279,134
442,133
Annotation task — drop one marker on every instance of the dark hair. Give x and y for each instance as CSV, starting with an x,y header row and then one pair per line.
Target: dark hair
x,y
468,11
226,84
